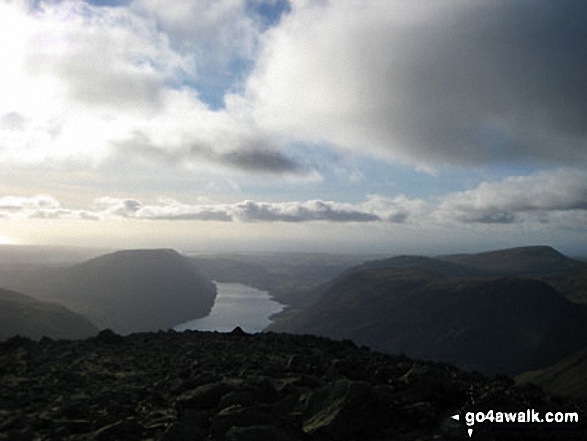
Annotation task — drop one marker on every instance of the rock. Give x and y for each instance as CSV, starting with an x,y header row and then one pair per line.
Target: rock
x,y
237,397
238,331
240,416
128,429
257,433
337,411
203,397
108,336
192,387
190,427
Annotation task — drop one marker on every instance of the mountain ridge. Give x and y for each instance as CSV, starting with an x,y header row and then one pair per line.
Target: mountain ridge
x,y
400,305
127,291
27,317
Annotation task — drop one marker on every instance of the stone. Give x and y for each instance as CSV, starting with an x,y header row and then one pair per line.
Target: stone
x,y
206,396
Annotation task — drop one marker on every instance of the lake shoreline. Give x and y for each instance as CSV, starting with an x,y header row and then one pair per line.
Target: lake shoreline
x,y
235,305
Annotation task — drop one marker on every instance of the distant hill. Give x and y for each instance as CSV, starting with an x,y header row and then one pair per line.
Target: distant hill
x,y
567,377
435,265
503,324
534,260
23,315
568,276
127,291
293,279
46,254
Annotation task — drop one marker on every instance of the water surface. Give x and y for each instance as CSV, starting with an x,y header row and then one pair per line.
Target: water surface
x,y
236,305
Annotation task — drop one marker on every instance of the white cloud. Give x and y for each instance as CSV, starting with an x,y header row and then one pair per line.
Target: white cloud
x,y
80,77
421,82
374,209
13,203
216,32
540,197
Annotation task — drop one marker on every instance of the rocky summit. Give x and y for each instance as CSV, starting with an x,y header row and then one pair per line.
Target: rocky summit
x,y
170,386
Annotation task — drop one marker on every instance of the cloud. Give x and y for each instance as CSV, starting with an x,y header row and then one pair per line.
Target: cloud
x,y
167,209
40,207
399,209
450,82
220,35
540,195
13,121
251,211
251,155
261,160
16,203
454,82
134,60
247,211
374,209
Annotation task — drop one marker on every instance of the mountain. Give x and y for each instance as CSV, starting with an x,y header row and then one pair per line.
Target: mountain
x,y
293,279
496,324
137,290
533,260
434,265
127,291
23,315
568,276
171,386
567,377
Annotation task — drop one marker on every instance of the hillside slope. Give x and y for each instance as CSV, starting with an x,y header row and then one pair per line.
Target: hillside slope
x,y
291,278
23,315
567,377
507,325
137,290
127,291
532,260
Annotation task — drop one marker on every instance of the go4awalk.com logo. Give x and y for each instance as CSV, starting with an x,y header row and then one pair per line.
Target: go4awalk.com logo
x,y
493,422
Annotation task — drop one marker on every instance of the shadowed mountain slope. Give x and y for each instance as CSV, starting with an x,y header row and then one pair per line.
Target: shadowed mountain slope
x,y
567,377
23,315
137,290
128,291
507,325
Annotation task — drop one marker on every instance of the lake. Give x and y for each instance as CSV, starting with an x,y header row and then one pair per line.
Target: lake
x,y
236,305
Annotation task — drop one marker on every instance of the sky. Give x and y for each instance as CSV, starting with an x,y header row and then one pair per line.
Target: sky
x,y
382,126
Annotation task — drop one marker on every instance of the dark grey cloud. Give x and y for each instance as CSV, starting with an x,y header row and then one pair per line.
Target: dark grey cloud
x,y
262,161
399,218
251,211
248,155
503,82
132,205
200,215
487,217
452,82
